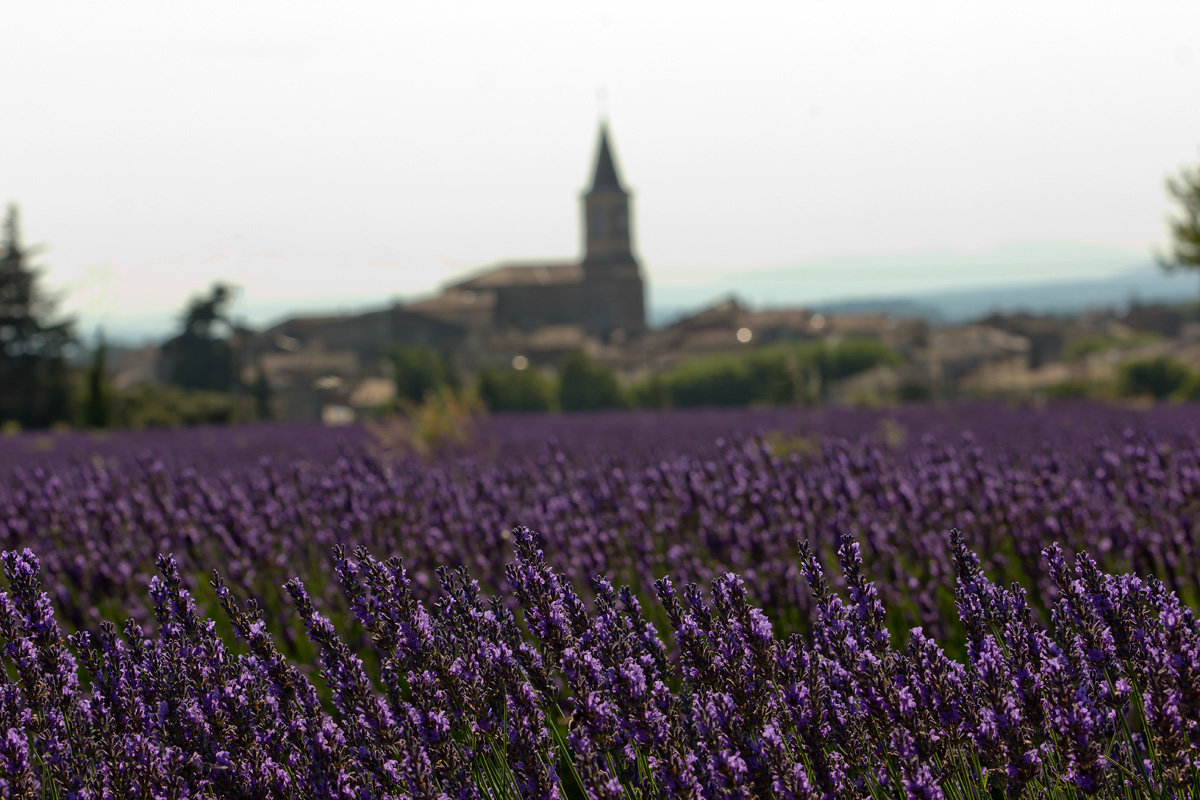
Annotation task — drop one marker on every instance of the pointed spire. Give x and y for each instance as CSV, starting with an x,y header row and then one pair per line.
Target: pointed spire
x,y
606,169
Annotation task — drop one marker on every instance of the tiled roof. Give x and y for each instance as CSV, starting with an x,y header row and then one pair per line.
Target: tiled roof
x,y
507,275
722,313
776,318
453,300
709,339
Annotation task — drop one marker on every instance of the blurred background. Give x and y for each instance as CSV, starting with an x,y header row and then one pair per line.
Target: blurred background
x,y
313,210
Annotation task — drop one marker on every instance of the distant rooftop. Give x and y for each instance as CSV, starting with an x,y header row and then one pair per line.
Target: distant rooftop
x,y
524,275
454,299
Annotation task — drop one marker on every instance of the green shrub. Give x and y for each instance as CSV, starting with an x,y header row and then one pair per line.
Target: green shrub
x,y
419,371
716,381
650,393
1154,377
914,391
852,356
583,384
1070,389
443,417
1189,392
776,375
155,405
516,390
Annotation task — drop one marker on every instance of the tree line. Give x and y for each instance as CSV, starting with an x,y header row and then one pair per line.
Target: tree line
x,y
40,387
798,373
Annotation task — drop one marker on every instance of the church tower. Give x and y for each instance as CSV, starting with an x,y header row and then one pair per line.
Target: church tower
x,y
609,266
607,237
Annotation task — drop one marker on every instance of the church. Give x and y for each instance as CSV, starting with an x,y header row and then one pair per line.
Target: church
x,y
603,293
516,312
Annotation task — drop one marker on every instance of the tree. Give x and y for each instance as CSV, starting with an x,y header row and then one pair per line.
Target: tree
x,y
1184,189
97,401
1151,377
200,357
419,371
261,392
515,390
157,405
34,387
583,384
773,375
651,392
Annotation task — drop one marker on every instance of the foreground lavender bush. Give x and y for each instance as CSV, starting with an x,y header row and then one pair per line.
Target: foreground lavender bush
x,y
566,698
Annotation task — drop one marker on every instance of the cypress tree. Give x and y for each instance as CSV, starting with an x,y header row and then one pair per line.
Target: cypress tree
x,y
34,387
97,402
1184,189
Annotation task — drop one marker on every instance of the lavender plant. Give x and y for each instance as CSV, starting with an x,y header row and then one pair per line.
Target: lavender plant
x,y
561,698
664,636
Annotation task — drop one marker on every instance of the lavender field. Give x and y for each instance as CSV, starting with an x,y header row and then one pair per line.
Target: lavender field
x,y
962,602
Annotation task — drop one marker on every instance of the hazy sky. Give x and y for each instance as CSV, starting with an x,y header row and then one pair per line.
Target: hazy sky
x,y
332,154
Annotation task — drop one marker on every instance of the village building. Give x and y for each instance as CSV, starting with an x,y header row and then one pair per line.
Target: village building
x,y
538,310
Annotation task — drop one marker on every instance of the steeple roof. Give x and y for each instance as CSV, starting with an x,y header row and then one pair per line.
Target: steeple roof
x,y
606,169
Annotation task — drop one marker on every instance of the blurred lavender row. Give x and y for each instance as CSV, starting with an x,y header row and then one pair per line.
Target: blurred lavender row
x,y
629,496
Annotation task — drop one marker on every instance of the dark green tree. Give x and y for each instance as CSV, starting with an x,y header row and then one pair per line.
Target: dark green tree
x,y
1189,391
773,375
261,392
1158,377
97,400
34,385
1184,189
914,390
420,370
852,356
200,356
515,390
583,384
651,392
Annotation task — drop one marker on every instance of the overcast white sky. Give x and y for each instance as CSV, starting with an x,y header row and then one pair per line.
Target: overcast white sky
x,y
325,154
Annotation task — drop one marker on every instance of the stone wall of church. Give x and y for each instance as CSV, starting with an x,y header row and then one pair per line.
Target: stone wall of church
x,y
600,305
614,303
533,306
